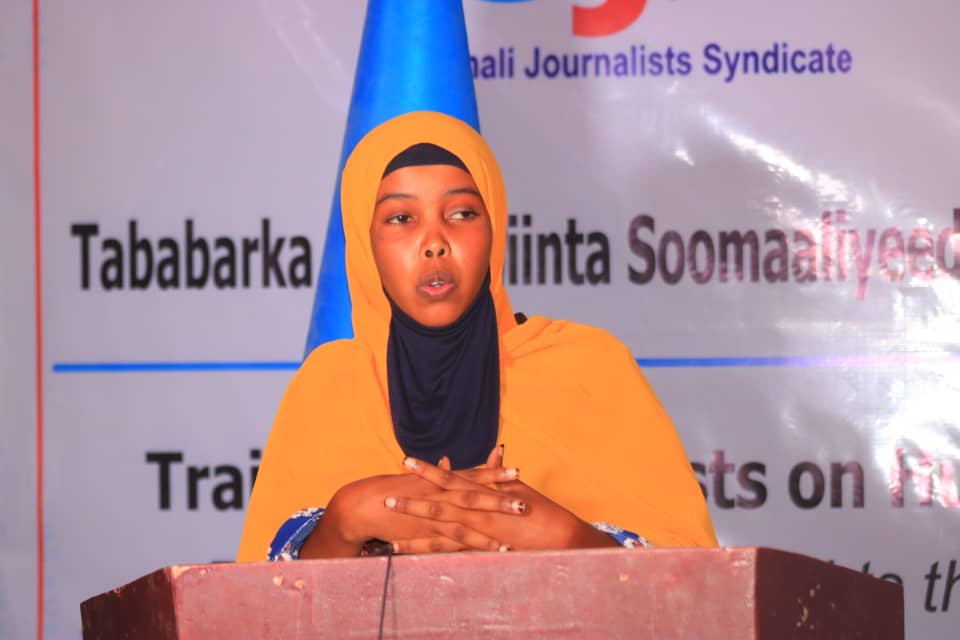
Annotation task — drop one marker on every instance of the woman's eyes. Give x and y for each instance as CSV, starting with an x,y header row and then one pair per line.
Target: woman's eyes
x,y
457,214
463,214
399,218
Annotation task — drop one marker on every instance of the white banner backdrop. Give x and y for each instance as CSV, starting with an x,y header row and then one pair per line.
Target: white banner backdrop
x,y
759,198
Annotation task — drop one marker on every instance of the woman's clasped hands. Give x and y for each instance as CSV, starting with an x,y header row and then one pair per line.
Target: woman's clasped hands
x,y
430,508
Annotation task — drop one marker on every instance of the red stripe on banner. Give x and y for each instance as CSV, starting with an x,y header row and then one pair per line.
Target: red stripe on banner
x,y
38,302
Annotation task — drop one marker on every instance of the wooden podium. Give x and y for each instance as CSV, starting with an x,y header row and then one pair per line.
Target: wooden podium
x,y
662,594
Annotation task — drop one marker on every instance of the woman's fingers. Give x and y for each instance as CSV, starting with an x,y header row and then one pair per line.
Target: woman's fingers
x,y
438,544
450,480
452,537
482,501
490,476
453,506
495,459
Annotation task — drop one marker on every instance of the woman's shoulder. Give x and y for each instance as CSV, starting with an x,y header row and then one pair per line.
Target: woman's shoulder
x,y
327,374
334,350
579,365
565,341
330,361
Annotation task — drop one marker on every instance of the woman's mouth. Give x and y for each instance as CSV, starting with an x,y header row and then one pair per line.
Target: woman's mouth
x,y
436,285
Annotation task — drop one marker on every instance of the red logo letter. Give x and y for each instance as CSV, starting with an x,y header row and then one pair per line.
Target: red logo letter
x,y
610,17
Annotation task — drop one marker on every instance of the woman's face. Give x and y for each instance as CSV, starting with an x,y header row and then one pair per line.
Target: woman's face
x,y
431,239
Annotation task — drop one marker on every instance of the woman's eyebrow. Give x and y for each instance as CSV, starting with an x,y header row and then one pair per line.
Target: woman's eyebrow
x,y
397,196
462,190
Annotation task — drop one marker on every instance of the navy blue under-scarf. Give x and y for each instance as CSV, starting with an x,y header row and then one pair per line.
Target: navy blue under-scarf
x,y
444,384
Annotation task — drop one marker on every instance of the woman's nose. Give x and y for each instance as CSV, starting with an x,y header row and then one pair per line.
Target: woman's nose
x,y
434,238
435,249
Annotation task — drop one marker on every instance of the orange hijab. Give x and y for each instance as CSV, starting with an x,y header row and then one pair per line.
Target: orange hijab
x,y
576,413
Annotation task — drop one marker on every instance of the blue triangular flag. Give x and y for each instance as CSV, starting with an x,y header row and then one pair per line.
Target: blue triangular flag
x,y
413,57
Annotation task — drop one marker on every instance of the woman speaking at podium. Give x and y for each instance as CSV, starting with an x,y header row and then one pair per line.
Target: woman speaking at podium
x,y
400,434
